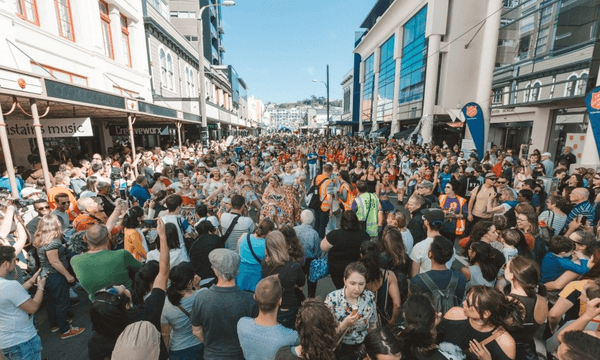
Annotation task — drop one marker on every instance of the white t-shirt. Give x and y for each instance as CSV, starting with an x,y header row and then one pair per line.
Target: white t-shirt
x,y
420,254
16,326
244,225
177,256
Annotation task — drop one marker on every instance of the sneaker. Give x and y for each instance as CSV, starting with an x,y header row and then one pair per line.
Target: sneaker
x,y
74,331
69,321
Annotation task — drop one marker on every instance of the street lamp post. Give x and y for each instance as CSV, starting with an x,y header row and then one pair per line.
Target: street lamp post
x,y
201,67
327,86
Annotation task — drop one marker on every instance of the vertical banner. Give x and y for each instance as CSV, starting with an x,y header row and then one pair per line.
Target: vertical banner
x,y
474,118
592,101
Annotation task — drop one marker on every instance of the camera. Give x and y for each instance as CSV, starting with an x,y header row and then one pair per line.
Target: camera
x,y
498,195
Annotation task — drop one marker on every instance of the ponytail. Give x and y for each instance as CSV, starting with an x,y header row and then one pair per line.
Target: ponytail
x,y
180,277
143,280
369,252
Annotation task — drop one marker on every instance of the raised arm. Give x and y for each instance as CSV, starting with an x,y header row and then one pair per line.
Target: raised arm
x,y
164,261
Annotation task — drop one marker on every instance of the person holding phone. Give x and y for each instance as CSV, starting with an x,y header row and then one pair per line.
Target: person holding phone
x,y
581,207
18,335
53,261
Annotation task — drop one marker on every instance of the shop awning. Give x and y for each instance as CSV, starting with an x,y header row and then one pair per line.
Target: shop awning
x,y
382,130
404,133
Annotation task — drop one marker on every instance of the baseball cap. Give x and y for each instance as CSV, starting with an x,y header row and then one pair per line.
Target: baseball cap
x,y
509,159
425,184
547,154
224,261
434,215
28,191
140,340
469,169
491,175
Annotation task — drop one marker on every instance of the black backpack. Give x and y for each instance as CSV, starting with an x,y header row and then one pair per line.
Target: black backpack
x,y
313,198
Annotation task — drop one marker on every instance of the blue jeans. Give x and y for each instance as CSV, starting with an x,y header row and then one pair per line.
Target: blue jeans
x,y
57,301
28,350
191,353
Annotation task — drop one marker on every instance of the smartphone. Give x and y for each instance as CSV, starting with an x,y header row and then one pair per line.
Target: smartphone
x,y
44,273
583,220
149,223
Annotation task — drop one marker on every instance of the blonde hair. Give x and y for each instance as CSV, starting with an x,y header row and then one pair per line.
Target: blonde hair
x,y
276,252
49,229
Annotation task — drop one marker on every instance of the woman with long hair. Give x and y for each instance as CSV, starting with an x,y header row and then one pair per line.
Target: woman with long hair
x,y
90,187
398,221
274,203
277,262
177,254
455,211
383,283
371,178
482,231
394,257
485,317
418,334
142,280
294,245
343,246
251,248
346,191
524,276
316,328
383,190
134,239
482,269
175,323
381,344
528,223
355,310
53,262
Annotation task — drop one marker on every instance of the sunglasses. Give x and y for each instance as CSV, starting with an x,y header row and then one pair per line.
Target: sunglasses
x,y
64,202
501,182
43,208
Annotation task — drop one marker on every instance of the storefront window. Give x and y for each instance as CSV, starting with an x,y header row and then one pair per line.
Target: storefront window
x,y
414,59
367,109
386,81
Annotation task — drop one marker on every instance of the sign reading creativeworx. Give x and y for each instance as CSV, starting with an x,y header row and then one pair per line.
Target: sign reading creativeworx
x,y
51,128
123,130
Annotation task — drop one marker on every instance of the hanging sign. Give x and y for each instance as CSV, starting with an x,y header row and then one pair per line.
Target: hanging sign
x,y
592,101
474,118
123,130
51,128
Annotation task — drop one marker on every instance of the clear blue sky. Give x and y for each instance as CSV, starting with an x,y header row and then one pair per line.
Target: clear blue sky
x,y
279,47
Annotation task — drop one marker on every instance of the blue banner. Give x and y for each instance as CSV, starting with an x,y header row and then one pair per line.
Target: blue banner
x,y
592,101
474,118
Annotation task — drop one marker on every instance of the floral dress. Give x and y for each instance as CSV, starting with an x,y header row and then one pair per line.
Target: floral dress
x,y
367,314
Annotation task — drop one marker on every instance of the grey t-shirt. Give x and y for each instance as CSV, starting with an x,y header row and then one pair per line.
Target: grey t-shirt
x,y
244,225
218,311
181,334
62,255
262,342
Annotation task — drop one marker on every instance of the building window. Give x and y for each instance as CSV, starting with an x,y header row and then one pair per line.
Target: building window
x,y
527,24
189,79
163,68
58,74
546,14
170,71
414,55
571,86
27,9
106,34
526,97
582,84
542,41
536,91
65,21
369,80
191,38
497,99
125,41
387,72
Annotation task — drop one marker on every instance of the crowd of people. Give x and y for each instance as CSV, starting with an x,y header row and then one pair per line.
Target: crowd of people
x,y
204,252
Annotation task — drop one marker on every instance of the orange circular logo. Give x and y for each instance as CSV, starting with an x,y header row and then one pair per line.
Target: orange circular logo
x,y
579,155
574,146
571,137
582,137
22,83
